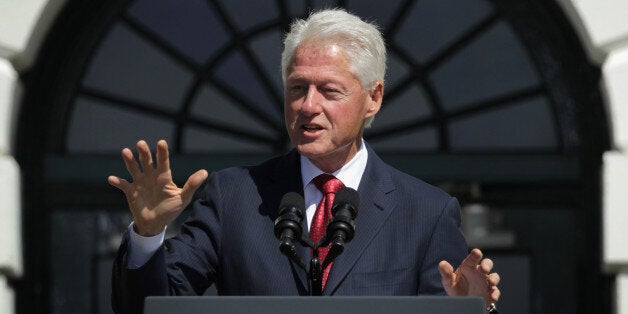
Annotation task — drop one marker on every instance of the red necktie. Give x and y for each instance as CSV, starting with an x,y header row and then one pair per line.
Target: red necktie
x,y
329,185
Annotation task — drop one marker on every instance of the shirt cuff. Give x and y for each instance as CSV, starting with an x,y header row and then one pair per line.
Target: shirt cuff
x,y
141,248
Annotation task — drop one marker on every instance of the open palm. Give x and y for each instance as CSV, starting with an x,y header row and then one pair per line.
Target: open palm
x,y
154,199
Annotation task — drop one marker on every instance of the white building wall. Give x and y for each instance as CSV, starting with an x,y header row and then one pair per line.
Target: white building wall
x,y
604,20
8,89
23,25
615,193
606,26
601,24
621,293
7,297
17,21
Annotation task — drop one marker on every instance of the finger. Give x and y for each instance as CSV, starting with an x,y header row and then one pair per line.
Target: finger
x,y
446,273
119,183
193,182
146,158
495,294
486,265
493,279
130,163
473,259
163,157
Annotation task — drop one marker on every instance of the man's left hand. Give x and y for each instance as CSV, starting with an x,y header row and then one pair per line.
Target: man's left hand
x,y
472,278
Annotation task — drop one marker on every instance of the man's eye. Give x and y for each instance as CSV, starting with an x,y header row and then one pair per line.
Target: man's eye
x,y
333,93
296,88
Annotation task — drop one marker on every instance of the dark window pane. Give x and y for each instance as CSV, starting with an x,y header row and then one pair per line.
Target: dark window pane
x,y
295,7
373,11
210,105
423,140
246,14
408,106
126,65
520,126
268,47
198,140
493,65
323,4
237,74
395,70
433,24
97,127
191,26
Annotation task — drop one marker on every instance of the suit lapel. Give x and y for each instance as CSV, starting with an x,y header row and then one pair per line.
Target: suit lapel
x,y
376,204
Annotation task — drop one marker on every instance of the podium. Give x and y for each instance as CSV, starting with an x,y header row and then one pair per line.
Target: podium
x,y
315,305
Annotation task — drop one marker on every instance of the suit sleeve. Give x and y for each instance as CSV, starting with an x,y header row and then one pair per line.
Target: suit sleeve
x,y
184,265
192,257
446,243
131,286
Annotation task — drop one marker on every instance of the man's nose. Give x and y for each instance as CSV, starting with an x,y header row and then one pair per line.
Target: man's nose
x,y
312,101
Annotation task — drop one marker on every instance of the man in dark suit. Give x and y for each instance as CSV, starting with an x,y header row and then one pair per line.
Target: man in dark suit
x,y
407,235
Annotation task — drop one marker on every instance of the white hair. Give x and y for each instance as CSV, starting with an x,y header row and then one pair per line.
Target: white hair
x,y
362,42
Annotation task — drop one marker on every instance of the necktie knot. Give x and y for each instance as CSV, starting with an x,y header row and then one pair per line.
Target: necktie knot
x,y
327,183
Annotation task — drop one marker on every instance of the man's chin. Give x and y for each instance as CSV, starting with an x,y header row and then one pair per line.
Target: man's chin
x,y
310,151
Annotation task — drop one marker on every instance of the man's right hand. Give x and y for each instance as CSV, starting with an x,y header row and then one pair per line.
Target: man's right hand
x,y
154,199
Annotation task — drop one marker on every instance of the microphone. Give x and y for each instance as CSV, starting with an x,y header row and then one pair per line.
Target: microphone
x,y
288,224
341,227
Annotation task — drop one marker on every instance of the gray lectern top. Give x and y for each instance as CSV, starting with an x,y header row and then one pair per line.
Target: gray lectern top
x,y
315,305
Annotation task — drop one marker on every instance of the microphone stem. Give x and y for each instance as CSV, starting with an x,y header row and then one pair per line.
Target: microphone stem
x,y
288,249
316,276
337,247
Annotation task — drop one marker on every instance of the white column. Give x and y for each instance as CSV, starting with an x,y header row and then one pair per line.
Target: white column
x,y
10,217
615,213
615,71
10,195
8,91
604,20
18,22
24,25
621,291
10,230
7,297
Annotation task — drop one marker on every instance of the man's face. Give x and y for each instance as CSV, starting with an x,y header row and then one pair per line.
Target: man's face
x,y
325,106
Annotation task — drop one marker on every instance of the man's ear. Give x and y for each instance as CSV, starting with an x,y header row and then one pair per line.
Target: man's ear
x,y
376,95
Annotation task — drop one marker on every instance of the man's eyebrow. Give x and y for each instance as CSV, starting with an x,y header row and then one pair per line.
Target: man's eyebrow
x,y
295,77
328,80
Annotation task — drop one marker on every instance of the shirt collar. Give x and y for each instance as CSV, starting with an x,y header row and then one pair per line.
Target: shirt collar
x,y
350,174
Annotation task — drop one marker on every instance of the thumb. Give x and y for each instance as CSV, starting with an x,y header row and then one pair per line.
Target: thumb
x,y
192,184
121,184
447,274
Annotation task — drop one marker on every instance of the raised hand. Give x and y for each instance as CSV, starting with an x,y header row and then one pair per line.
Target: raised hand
x,y
154,199
472,278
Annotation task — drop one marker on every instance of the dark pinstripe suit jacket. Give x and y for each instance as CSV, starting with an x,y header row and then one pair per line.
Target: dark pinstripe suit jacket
x,y
405,227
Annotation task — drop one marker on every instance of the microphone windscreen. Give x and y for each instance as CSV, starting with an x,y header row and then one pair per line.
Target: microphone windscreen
x,y
292,200
348,196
